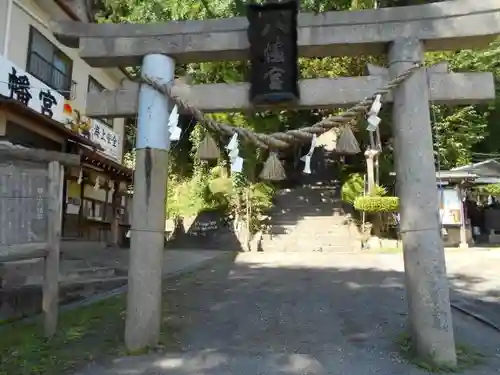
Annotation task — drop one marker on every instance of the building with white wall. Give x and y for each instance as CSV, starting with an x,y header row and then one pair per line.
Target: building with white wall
x,y
43,94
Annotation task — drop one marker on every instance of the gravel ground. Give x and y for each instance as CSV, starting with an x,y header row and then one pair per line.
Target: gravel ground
x,y
296,313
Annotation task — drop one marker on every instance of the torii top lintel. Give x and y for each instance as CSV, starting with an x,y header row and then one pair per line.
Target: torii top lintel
x,y
448,25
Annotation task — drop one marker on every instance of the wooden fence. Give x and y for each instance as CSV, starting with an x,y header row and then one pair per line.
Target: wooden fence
x,y
31,193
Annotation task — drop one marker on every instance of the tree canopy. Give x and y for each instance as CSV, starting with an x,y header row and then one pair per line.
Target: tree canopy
x,y
461,134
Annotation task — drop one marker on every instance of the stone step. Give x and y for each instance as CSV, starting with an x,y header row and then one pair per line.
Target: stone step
x,y
318,246
90,272
312,196
314,214
307,213
318,234
25,300
322,237
332,242
93,280
295,218
301,201
311,237
310,218
347,248
310,190
291,239
290,200
319,226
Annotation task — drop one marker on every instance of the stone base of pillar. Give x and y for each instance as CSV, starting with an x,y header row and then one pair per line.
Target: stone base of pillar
x,y
142,327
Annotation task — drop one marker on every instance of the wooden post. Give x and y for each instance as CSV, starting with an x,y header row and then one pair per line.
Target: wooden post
x,y
370,155
463,219
65,149
51,273
64,198
248,217
82,206
115,220
105,208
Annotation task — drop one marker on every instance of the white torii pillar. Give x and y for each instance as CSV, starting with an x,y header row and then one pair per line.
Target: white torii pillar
x,y
143,322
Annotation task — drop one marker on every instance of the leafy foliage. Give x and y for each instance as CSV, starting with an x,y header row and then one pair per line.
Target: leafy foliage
x,y
354,188
373,204
457,131
491,189
462,134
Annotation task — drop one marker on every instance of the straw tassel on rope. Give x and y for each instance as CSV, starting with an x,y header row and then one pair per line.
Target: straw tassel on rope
x,y
273,169
208,149
347,142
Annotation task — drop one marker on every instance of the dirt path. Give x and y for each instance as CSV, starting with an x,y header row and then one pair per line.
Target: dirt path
x,y
277,313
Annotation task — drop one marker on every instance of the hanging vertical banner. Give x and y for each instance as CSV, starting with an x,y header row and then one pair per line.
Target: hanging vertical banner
x,y
272,34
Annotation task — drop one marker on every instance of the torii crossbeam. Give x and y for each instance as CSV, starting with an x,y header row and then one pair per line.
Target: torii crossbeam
x,y
448,25
445,88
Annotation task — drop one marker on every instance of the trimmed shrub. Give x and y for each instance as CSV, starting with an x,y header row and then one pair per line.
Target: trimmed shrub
x,y
373,204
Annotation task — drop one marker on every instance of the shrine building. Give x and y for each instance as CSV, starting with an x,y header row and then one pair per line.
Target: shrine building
x,y
43,95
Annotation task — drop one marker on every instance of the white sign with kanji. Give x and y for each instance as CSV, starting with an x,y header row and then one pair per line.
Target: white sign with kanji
x,y
18,85
105,137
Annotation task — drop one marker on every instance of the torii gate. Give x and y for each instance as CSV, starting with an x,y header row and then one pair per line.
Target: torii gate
x,y
404,33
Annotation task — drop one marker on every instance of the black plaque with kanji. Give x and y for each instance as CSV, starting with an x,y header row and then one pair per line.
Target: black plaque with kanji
x,y
272,34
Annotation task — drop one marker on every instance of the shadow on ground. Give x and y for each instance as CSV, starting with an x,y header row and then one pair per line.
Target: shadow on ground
x,y
469,295
295,317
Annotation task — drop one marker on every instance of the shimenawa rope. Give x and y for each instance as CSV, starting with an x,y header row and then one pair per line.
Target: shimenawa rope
x,y
282,140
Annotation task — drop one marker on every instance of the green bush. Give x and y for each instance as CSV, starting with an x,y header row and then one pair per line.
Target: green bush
x,y
354,188
492,189
261,195
373,204
221,185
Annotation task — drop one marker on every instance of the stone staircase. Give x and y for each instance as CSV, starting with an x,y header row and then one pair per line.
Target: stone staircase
x,y
84,272
311,217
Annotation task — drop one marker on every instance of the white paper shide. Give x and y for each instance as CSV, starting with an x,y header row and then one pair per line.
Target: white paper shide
x,y
233,153
307,157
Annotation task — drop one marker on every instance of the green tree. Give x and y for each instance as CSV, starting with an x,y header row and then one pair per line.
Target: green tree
x,y
459,132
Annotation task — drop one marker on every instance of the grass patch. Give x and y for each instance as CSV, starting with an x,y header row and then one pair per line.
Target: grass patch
x,y
466,357
87,334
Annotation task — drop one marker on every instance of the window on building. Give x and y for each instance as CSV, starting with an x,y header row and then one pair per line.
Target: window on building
x,y
96,87
47,63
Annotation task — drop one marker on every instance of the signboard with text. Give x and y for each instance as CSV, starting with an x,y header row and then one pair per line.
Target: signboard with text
x,y
449,206
18,85
94,130
105,137
272,34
